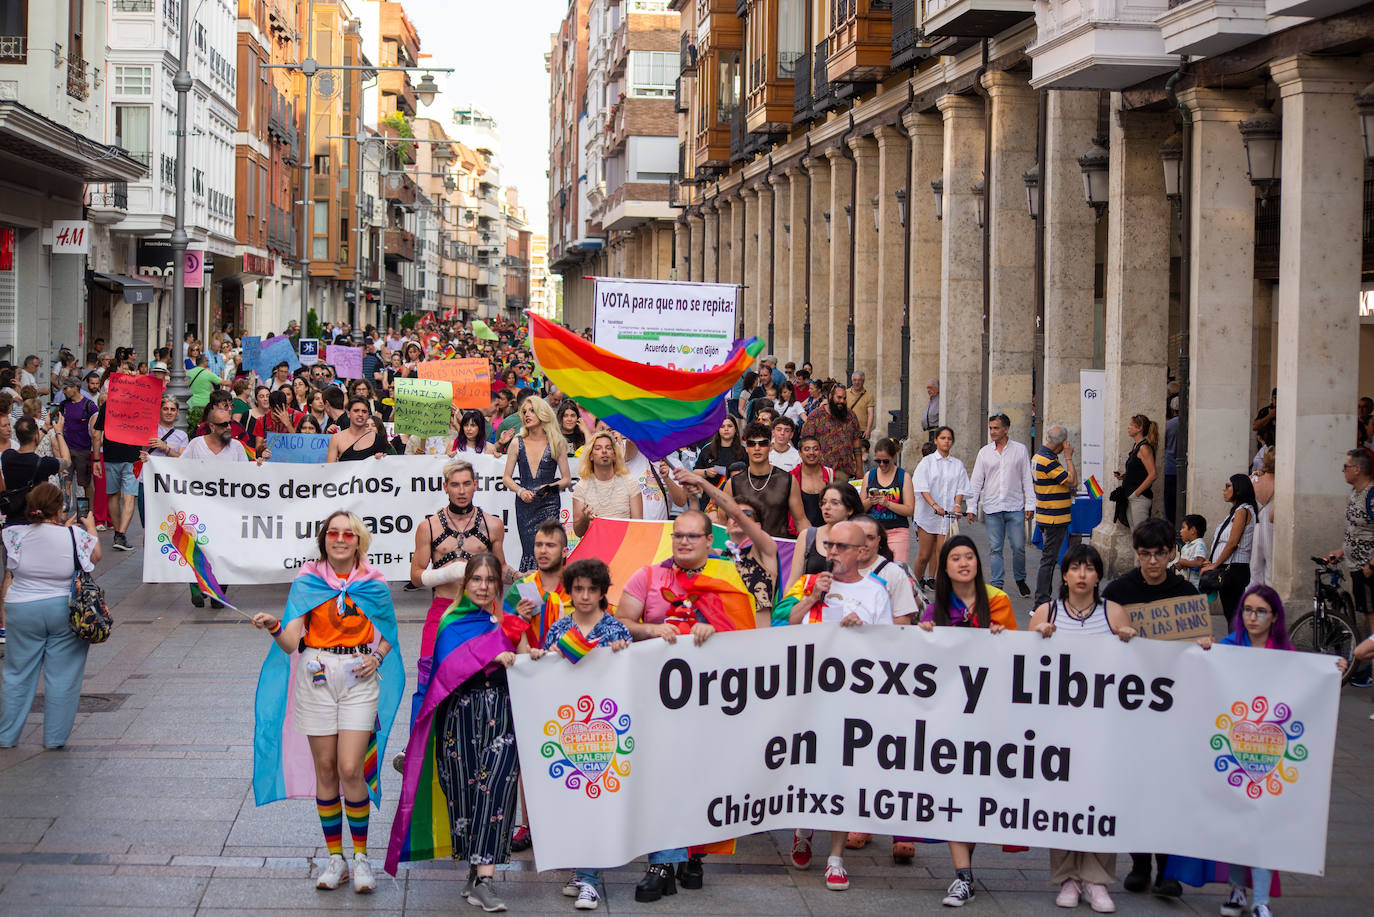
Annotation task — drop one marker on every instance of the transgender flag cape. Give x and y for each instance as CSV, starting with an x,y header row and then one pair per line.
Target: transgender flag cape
x,y
282,766
468,642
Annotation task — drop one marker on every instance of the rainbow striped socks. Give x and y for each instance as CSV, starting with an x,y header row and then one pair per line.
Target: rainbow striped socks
x,y
331,820
357,824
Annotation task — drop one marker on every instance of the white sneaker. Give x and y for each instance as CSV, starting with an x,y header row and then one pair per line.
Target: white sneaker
x,y
334,872
1069,893
587,898
572,888
1262,910
1235,904
363,880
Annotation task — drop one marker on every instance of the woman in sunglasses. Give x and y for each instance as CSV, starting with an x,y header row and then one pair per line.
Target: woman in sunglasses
x,y
336,639
888,498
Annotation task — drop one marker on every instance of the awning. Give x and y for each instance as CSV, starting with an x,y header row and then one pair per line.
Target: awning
x,y
136,290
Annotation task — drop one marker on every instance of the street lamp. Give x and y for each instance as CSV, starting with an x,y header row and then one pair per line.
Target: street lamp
x,y
979,201
1095,164
874,202
937,188
427,89
827,225
901,206
1171,156
1261,134
1032,179
1364,101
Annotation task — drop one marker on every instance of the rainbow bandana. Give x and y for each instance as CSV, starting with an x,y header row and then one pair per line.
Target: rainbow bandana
x,y
468,642
660,409
282,766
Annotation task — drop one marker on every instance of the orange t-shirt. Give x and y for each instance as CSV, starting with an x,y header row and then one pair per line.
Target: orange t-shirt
x,y
326,625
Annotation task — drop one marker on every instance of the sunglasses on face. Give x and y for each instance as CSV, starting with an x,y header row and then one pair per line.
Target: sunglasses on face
x,y
346,537
756,442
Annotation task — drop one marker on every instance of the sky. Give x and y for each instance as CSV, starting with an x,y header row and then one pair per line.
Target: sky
x,y
497,53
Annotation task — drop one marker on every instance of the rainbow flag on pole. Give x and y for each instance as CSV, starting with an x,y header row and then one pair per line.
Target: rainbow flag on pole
x,y
1094,488
574,645
199,562
660,409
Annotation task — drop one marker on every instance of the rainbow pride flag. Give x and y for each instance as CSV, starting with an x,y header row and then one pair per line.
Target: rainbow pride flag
x,y
660,409
199,562
574,645
1094,488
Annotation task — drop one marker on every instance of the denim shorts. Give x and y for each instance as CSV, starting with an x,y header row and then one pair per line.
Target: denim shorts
x,y
119,478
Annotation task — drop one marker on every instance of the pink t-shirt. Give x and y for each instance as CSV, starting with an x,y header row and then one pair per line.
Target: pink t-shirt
x,y
647,585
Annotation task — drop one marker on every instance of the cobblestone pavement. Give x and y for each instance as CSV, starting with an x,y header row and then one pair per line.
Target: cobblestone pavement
x,y
148,810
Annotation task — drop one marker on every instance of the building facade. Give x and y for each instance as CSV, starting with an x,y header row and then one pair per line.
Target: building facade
x,y
1000,195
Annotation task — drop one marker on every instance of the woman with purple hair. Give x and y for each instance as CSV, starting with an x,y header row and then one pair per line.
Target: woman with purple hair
x,y
1259,622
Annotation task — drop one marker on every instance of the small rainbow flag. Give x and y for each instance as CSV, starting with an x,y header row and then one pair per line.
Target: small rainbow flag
x,y
573,645
199,562
1094,488
660,409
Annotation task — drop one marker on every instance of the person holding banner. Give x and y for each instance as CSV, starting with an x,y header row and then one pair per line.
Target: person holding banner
x,y
752,547
963,599
604,486
1080,611
463,739
335,637
361,439
536,487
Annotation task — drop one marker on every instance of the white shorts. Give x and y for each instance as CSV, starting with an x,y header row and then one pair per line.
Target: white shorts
x,y
337,703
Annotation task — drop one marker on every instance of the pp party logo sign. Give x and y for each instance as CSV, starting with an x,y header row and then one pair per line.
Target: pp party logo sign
x,y
1254,747
589,751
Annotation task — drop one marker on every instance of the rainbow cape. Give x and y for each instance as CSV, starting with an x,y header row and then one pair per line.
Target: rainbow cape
x,y
556,604
1094,488
660,409
574,644
628,544
199,562
468,642
282,766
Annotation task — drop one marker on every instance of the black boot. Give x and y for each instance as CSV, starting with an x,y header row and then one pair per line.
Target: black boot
x,y
657,882
1138,879
689,874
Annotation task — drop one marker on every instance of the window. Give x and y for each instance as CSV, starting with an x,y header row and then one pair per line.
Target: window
x,y
791,36
653,74
728,98
322,164
131,131
133,81
14,30
648,6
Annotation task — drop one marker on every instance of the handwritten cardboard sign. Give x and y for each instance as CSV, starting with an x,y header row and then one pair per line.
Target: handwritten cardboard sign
x,y
423,406
298,448
471,378
347,361
131,410
274,351
1183,618
252,350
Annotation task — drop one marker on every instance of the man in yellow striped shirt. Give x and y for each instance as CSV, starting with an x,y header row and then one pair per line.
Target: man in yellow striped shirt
x,y
1055,483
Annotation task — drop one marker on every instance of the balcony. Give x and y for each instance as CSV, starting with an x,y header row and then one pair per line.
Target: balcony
x,y
909,45
973,18
1097,44
133,6
400,189
860,40
77,85
1314,8
107,203
400,245
619,54
801,90
1206,27
688,59
168,171
396,84
823,97
396,27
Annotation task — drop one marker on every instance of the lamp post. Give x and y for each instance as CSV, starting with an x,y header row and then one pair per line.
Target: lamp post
x,y
1032,179
1096,164
980,201
1261,134
181,82
937,188
1171,157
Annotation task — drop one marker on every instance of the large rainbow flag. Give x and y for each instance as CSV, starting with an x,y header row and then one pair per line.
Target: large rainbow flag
x,y
661,409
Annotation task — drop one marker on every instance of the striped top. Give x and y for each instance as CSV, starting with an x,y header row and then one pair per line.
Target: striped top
x,y
1053,495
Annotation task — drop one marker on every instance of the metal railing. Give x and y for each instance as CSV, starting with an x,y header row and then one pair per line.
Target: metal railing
x,y
109,196
168,170
14,48
77,85
134,6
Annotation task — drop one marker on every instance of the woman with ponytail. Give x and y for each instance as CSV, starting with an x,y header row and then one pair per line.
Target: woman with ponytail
x,y
42,557
1134,494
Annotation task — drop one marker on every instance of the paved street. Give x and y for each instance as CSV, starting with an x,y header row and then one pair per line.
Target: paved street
x,y
148,810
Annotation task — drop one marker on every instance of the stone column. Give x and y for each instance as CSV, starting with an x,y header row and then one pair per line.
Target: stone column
x,y
885,376
763,248
837,327
961,277
927,132
797,220
821,343
866,303
749,262
1137,322
1319,326
682,249
710,242
1011,307
1220,402
735,249
697,227
1070,242
783,327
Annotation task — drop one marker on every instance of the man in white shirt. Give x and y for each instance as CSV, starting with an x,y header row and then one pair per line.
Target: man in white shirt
x,y
900,590
28,376
1002,476
845,594
783,454
219,444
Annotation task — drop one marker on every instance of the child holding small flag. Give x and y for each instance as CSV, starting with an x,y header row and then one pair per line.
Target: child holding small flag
x,y
574,636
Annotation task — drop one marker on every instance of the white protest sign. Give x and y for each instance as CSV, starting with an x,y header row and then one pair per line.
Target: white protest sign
x,y
1078,743
681,325
258,523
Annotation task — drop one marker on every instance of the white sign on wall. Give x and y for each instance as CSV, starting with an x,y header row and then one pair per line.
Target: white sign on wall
x,y
680,325
71,237
1092,415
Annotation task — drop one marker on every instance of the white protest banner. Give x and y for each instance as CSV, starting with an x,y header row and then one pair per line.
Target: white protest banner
x,y
1078,743
1092,418
680,325
258,523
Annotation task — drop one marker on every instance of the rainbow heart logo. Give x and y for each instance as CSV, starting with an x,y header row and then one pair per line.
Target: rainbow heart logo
x,y
1255,745
589,742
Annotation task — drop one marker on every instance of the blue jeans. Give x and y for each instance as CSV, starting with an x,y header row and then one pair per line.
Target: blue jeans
x,y
590,877
1009,526
676,855
39,637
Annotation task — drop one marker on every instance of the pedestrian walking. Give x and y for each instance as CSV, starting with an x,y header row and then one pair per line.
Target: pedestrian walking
x,y
839,433
1055,483
1002,477
939,482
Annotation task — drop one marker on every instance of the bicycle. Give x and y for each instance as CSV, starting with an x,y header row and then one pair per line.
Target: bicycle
x,y
1330,627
